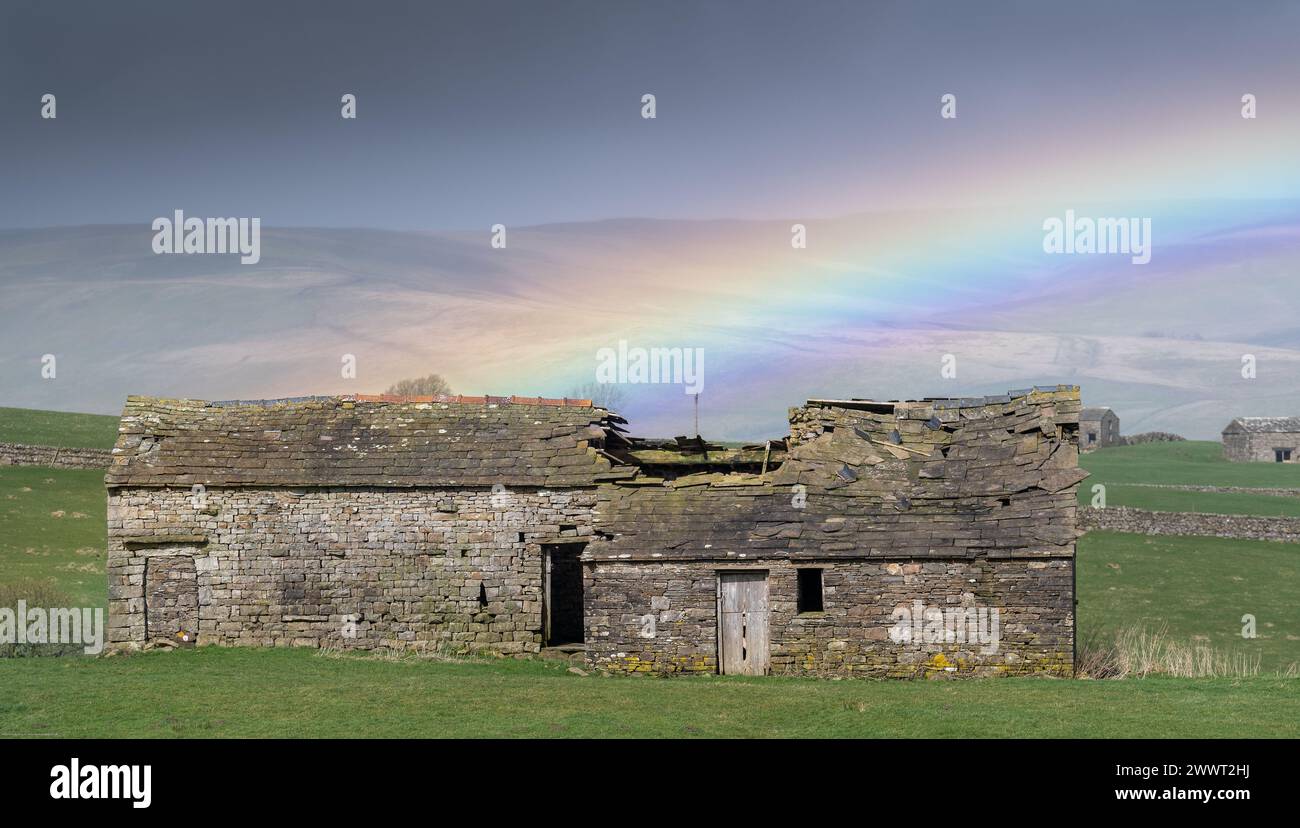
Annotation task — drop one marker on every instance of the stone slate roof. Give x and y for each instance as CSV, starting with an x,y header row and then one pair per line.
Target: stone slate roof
x,y
1264,425
891,480
361,441
1094,413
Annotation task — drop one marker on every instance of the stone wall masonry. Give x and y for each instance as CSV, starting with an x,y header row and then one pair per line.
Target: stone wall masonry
x,y
1221,489
172,596
442,570
1257,447
1143,522
17,454
332,523
663,617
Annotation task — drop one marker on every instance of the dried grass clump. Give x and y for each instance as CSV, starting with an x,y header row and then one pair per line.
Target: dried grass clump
x,y
1136,652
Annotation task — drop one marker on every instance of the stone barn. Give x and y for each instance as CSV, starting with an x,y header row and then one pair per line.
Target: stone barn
x,y
926,537
348,522
1262,439
1098,428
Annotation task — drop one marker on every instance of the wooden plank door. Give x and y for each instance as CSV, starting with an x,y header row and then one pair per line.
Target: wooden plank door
x,y
742,627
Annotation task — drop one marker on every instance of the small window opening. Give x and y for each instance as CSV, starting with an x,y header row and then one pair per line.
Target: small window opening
x,y
482,594
810,590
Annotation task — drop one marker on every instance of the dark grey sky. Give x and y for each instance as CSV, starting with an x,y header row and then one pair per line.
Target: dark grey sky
x,y
527,112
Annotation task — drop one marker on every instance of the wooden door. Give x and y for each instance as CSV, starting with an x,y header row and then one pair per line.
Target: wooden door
x,y
743,637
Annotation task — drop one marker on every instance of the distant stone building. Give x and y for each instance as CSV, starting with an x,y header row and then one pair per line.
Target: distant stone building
x,y
1098,428
1262,439
878,538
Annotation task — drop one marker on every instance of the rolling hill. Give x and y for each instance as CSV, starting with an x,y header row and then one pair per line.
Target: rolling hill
x,y
868,309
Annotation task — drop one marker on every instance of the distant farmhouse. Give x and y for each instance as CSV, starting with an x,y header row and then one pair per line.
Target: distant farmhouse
x,y
1262,439
1098,428
928,537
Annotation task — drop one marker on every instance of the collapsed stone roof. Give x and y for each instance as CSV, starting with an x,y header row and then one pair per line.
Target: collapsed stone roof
x,y
910,479
362,441
1264,425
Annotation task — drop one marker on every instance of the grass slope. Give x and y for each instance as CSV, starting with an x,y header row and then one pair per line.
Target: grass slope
x,y
52,529
213,692
1194,463
1199,588
1179,500
1190,462
57,428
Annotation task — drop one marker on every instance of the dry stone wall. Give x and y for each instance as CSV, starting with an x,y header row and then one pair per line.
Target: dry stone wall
x,y
457,570
1255,490
1143,522
16,454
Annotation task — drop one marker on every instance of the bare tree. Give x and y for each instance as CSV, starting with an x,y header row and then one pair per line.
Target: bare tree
x,y
602,395
432,385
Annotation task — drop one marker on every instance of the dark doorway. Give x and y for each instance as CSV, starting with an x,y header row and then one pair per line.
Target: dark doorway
x,y
564,621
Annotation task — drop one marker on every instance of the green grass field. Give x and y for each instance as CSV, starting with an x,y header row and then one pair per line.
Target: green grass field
x,y
1190,463
57,428
52,531
212,692
1181,500
1197,588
